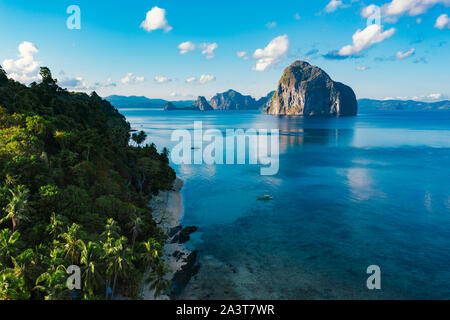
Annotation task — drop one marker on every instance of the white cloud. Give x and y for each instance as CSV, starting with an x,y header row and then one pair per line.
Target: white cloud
x,y
181,95
396,8
333,5
363,39
131,78
405,54
73,83
368,11
271,24
442,22
208,49
79,84
161,79
272,54
241,54
205,78
434,96
25,68
410,7
185,47
361,68
156,19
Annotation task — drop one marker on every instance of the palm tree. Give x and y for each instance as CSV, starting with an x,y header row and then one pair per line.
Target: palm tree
x,y
18,206
91,266
152,250
12,281
73,244
55,282
112,231
56,225
139,138
159,283
136,226
8,248
110,235
12,287
119,260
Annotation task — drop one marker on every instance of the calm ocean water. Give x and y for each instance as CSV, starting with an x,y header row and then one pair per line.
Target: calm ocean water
x,y
350,192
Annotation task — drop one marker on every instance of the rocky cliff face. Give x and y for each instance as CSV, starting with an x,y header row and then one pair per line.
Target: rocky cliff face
x,y
233,100
202,105
307,90
266,102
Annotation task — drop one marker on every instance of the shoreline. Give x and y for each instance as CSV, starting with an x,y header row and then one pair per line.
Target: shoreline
x,y
169,210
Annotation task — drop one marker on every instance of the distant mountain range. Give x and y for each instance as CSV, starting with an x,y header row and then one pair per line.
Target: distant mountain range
x,y
233,100
229,100
412,105
123,102
200,105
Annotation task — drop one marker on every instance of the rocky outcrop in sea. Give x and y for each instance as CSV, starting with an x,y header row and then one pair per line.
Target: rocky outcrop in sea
x,y
233,100
309,91
266,101
202,104
170,107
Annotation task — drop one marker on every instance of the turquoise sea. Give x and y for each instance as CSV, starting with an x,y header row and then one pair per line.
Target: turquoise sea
x,y
350,193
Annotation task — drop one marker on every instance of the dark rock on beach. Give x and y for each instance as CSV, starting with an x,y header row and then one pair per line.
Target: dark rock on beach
x,y
174,231
183,234
178,255
182,277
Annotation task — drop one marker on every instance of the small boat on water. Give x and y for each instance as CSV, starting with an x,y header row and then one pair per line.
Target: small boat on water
x,y
265,198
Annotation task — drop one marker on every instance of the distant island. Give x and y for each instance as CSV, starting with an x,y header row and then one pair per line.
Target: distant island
x,y
303,90
233,100
406,105
200,105
229,100
123,102
307,90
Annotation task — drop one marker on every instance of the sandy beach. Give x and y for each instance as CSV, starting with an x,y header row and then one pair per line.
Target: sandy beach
x,y
168,208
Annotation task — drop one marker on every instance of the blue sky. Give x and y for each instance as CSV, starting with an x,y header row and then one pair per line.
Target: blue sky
x,y
407,56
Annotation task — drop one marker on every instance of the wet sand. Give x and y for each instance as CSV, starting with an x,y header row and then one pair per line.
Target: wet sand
x,y
168,208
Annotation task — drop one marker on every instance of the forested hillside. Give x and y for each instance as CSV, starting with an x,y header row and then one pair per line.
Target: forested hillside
x,y
74,191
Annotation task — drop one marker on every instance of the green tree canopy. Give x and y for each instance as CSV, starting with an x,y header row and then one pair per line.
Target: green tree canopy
x,y
68,169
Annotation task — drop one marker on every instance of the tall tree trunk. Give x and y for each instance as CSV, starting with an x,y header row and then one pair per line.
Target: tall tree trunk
x,y
133,241
15,223
107,287
114,286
